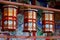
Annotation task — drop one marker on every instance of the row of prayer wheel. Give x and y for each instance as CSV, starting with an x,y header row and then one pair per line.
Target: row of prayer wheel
x,y
9,19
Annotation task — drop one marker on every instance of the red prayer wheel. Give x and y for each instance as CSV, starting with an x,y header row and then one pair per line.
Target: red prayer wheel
x,y
9,18
30,20
48,21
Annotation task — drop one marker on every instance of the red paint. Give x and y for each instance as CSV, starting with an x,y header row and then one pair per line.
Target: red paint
x,y
47,39
34,34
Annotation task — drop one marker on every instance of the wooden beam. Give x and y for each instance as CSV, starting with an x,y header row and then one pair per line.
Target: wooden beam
x,y
27,5
53,37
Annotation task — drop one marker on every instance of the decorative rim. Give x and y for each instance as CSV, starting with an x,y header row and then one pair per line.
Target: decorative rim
x,y
48,12
10,6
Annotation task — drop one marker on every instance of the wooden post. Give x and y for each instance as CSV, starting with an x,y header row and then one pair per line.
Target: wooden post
x,y
34,35
47,36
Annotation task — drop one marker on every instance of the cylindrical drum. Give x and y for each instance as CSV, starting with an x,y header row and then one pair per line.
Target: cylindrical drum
x,y
48,21
30,20
9,18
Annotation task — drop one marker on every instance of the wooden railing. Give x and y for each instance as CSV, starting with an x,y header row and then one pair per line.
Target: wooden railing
x,y
27,5
52,37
